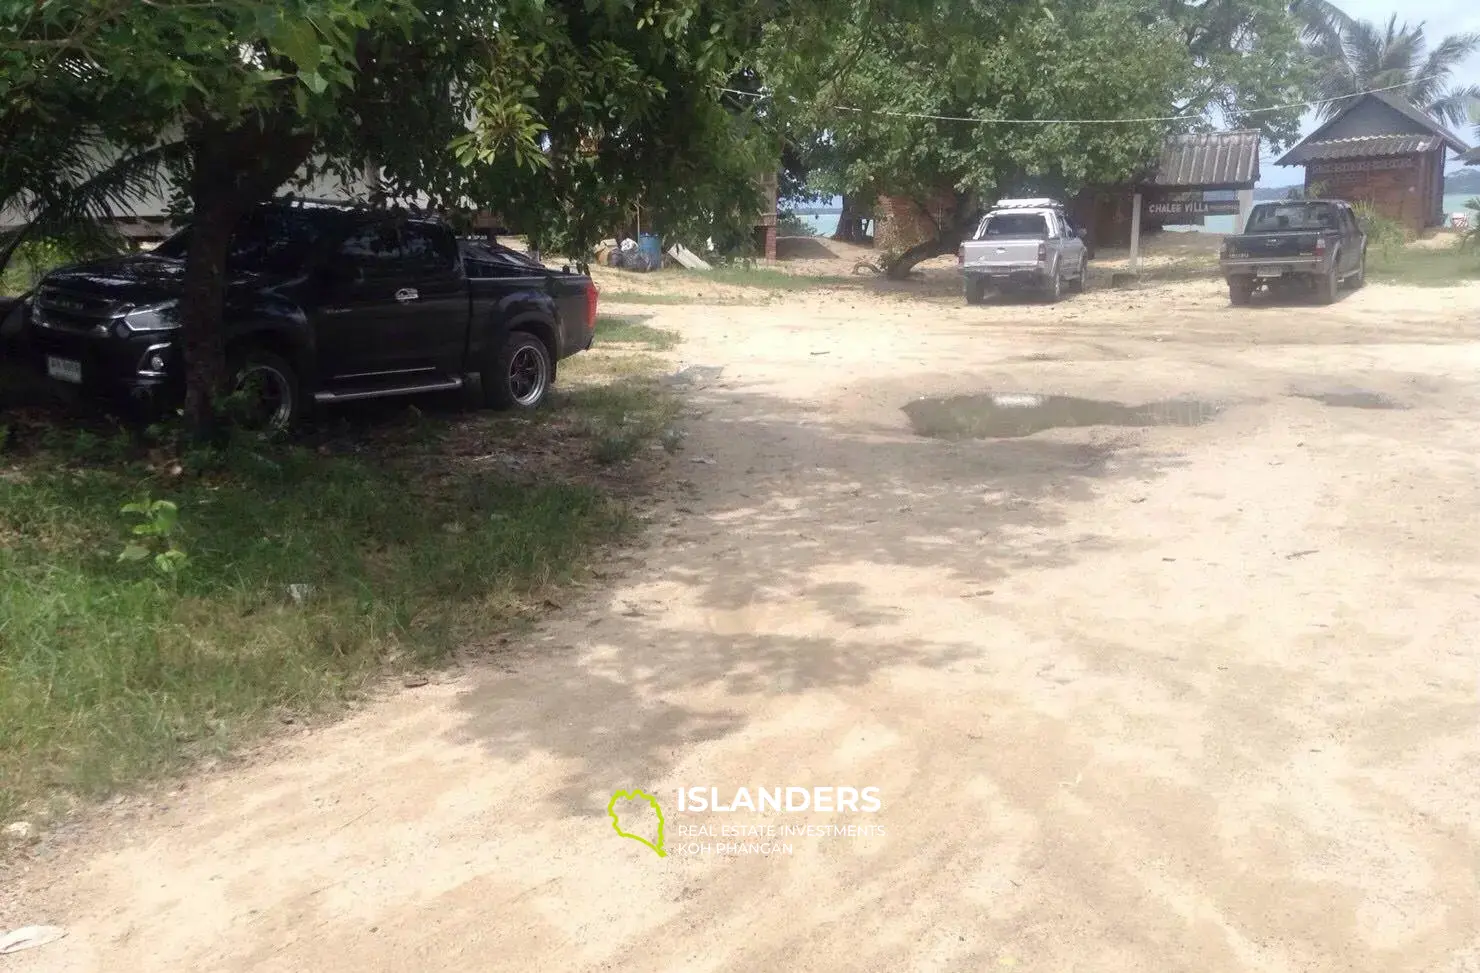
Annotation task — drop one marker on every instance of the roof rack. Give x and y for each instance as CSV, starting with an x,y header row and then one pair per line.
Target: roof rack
x,y
1040,203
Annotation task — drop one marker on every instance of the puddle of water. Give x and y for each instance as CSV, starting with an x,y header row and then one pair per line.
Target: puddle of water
x,y
1352,400
1014,416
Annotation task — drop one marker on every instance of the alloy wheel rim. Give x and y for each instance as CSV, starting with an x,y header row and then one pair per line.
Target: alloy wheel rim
x,y
271,396
527,375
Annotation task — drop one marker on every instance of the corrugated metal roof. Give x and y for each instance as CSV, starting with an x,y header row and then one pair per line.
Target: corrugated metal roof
x,y
1364,146
1301,153
1422,117
1209,159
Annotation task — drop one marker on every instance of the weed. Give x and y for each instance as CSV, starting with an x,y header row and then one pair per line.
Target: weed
x,y
108,676
1385,236
770,279
630,329
1424,267
156,536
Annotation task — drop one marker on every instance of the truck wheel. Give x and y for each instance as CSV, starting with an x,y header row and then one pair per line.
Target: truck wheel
x,y
1082,280
265,391
1054,288
520,375
1359,279
1240,291
976,290
1328,285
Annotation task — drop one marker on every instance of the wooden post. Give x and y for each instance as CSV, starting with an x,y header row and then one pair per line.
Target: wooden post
x,y
1135,232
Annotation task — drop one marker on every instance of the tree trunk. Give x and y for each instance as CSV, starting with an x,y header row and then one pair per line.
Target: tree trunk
x,y
899,268
850,222
202,299
232,170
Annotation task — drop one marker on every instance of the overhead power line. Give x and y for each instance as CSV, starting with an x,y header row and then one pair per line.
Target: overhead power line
x,y
1092,121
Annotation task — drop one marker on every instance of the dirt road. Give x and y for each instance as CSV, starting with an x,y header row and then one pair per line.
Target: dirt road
x,y
1168,686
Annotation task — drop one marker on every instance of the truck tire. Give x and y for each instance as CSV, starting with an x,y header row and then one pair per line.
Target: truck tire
x,y
1328,285
1359,279
519,375
1053,288
1240,291
266,391
1082,280
976,290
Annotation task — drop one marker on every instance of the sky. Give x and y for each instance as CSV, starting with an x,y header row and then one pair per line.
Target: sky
x,y
1439,17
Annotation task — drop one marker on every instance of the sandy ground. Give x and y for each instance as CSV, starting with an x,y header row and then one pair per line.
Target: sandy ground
x,y
1135,697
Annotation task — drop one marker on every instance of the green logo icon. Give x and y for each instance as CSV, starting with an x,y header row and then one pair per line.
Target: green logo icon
x,y
637,795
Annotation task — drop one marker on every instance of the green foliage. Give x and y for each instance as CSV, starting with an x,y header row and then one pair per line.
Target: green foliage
x,y
1385,235
790,224
1425,266
1472,234
108,676
34,258
156,536
1008,67
1351,55
630,329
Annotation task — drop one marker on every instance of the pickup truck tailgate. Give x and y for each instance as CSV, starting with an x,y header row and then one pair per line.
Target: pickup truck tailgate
x,y
576,303
1258,246
989,254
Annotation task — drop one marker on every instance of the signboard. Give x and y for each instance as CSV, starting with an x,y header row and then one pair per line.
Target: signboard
x,y
1361,165
1189,207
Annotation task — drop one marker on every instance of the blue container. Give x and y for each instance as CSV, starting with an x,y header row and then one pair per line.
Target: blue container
x,y
650,250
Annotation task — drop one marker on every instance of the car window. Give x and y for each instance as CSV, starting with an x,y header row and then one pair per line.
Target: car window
x,y
373,249
1030,225
269,240
429,249
273,242
1270,217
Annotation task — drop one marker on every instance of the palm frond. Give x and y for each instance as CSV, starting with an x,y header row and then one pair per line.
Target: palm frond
x,y
1320,20
82,188
1456,106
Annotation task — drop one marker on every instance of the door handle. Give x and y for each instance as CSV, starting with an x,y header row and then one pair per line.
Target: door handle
x,y
407,294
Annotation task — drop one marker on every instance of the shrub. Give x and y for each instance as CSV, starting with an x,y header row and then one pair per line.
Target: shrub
x,y
1384,233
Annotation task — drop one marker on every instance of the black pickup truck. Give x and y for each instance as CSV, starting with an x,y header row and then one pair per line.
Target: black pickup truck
x,y
324,304
1312,244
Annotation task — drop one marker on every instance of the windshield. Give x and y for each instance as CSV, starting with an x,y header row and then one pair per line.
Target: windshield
x,y
1030,225
1292,216
269,240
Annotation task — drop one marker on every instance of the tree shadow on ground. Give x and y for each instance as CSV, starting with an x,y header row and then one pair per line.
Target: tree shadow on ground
x,y
791,529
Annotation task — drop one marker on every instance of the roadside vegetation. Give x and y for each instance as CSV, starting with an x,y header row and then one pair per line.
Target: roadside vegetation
x,y
1424,266
161,603
629,329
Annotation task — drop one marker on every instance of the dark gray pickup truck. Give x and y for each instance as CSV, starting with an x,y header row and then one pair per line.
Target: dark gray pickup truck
x,y
324,304
1308,244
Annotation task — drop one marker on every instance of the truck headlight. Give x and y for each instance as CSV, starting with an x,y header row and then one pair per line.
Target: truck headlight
x,y
157,317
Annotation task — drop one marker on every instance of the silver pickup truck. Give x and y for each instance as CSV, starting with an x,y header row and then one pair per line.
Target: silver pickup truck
x,y
1025,244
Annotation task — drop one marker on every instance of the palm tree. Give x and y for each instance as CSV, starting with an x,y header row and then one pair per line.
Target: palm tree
x,y
1353,56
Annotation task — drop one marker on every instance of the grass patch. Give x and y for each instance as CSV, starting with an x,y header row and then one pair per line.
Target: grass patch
x,y
764,280
663,299
1424,267
630,329
770,279
112,671
622,418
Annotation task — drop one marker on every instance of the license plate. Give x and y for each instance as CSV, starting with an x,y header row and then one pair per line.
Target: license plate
x,y
1270,272
64,369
